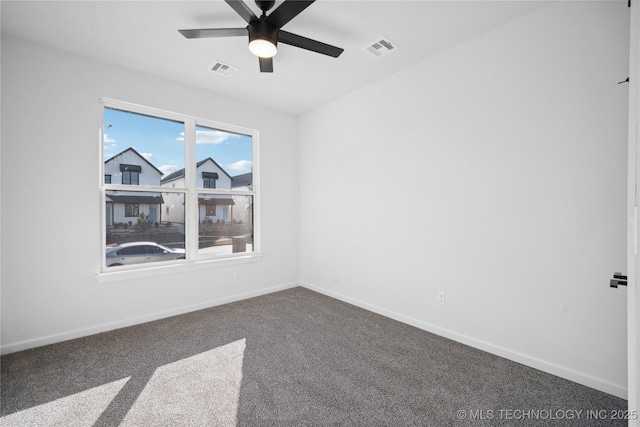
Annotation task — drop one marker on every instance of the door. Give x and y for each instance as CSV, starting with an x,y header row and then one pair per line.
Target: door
x,y
108,216
633,233
153,214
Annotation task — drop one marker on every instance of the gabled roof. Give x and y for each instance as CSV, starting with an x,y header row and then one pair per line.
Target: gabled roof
x,y
137,154
180,173
173,175
244,180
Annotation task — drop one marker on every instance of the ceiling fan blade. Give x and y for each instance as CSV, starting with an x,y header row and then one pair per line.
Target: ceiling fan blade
x,y
242,10
213,32
309,44
266,65
287,11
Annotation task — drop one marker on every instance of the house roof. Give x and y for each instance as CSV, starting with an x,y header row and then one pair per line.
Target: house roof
x,y
243,180
180,173
137,154
174,175
153,199
218,201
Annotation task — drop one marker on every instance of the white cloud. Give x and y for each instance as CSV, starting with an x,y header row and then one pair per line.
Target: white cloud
x,y
243,166
167,169
209,136
108,143
147,156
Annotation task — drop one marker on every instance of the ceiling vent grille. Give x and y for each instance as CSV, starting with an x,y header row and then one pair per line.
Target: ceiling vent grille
x,y
380,47
224,69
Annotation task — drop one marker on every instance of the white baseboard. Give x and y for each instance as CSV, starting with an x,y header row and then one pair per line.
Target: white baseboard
x,y
79,333
533,362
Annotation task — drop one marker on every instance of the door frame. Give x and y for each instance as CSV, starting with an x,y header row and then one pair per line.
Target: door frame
x,y
633,233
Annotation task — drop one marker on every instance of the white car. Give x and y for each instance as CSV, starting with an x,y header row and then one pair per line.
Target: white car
x,y
141,252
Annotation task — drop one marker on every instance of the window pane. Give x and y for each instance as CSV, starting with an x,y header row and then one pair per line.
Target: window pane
x,y
142,150
224,159
225,224
159,219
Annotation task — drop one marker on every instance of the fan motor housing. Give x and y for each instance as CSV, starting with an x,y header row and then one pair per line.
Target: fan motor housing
x,y
265,5
264,30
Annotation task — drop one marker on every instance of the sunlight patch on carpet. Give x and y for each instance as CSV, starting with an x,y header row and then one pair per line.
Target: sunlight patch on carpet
x,y
199,390
79,409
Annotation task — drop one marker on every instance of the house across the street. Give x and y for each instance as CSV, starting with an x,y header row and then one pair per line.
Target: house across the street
x,y
130,168
211,207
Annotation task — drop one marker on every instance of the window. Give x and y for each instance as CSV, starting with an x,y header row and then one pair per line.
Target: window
x,y
130,178
132,250
222,158
131,209
209,179
195,192
130,174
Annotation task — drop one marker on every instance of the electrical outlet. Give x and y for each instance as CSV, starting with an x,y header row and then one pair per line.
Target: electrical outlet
x,y
440,297
236,274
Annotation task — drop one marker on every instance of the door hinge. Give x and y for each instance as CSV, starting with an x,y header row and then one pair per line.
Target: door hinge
x,y
619,279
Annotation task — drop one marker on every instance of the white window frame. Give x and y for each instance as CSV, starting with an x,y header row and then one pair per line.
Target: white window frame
x,y
194,260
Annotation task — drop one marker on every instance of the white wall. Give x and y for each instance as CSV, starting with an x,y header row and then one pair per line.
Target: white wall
x,y
50,122
510,153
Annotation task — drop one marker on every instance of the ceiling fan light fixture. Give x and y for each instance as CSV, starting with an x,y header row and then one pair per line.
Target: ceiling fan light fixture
x,y
263,39
263,48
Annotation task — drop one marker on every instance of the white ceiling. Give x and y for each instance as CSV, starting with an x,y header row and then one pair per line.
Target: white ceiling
x,y
143,35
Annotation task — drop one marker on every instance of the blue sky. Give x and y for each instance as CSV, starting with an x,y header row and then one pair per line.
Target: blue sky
x,y
161,142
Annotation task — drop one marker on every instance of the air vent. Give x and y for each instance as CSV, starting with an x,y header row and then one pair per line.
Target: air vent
x,y
380,47
224,69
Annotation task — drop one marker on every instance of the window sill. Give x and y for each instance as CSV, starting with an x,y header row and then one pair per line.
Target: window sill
x,y
176,268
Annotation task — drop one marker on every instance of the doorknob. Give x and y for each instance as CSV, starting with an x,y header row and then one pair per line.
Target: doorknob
x,y
619,279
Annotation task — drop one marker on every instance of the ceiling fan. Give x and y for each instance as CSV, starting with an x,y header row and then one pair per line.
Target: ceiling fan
x,y
265,32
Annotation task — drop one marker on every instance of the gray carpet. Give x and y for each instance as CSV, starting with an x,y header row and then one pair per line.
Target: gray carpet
x,y
291,358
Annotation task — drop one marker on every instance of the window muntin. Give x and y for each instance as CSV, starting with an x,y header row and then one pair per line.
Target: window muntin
x,y
205,223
